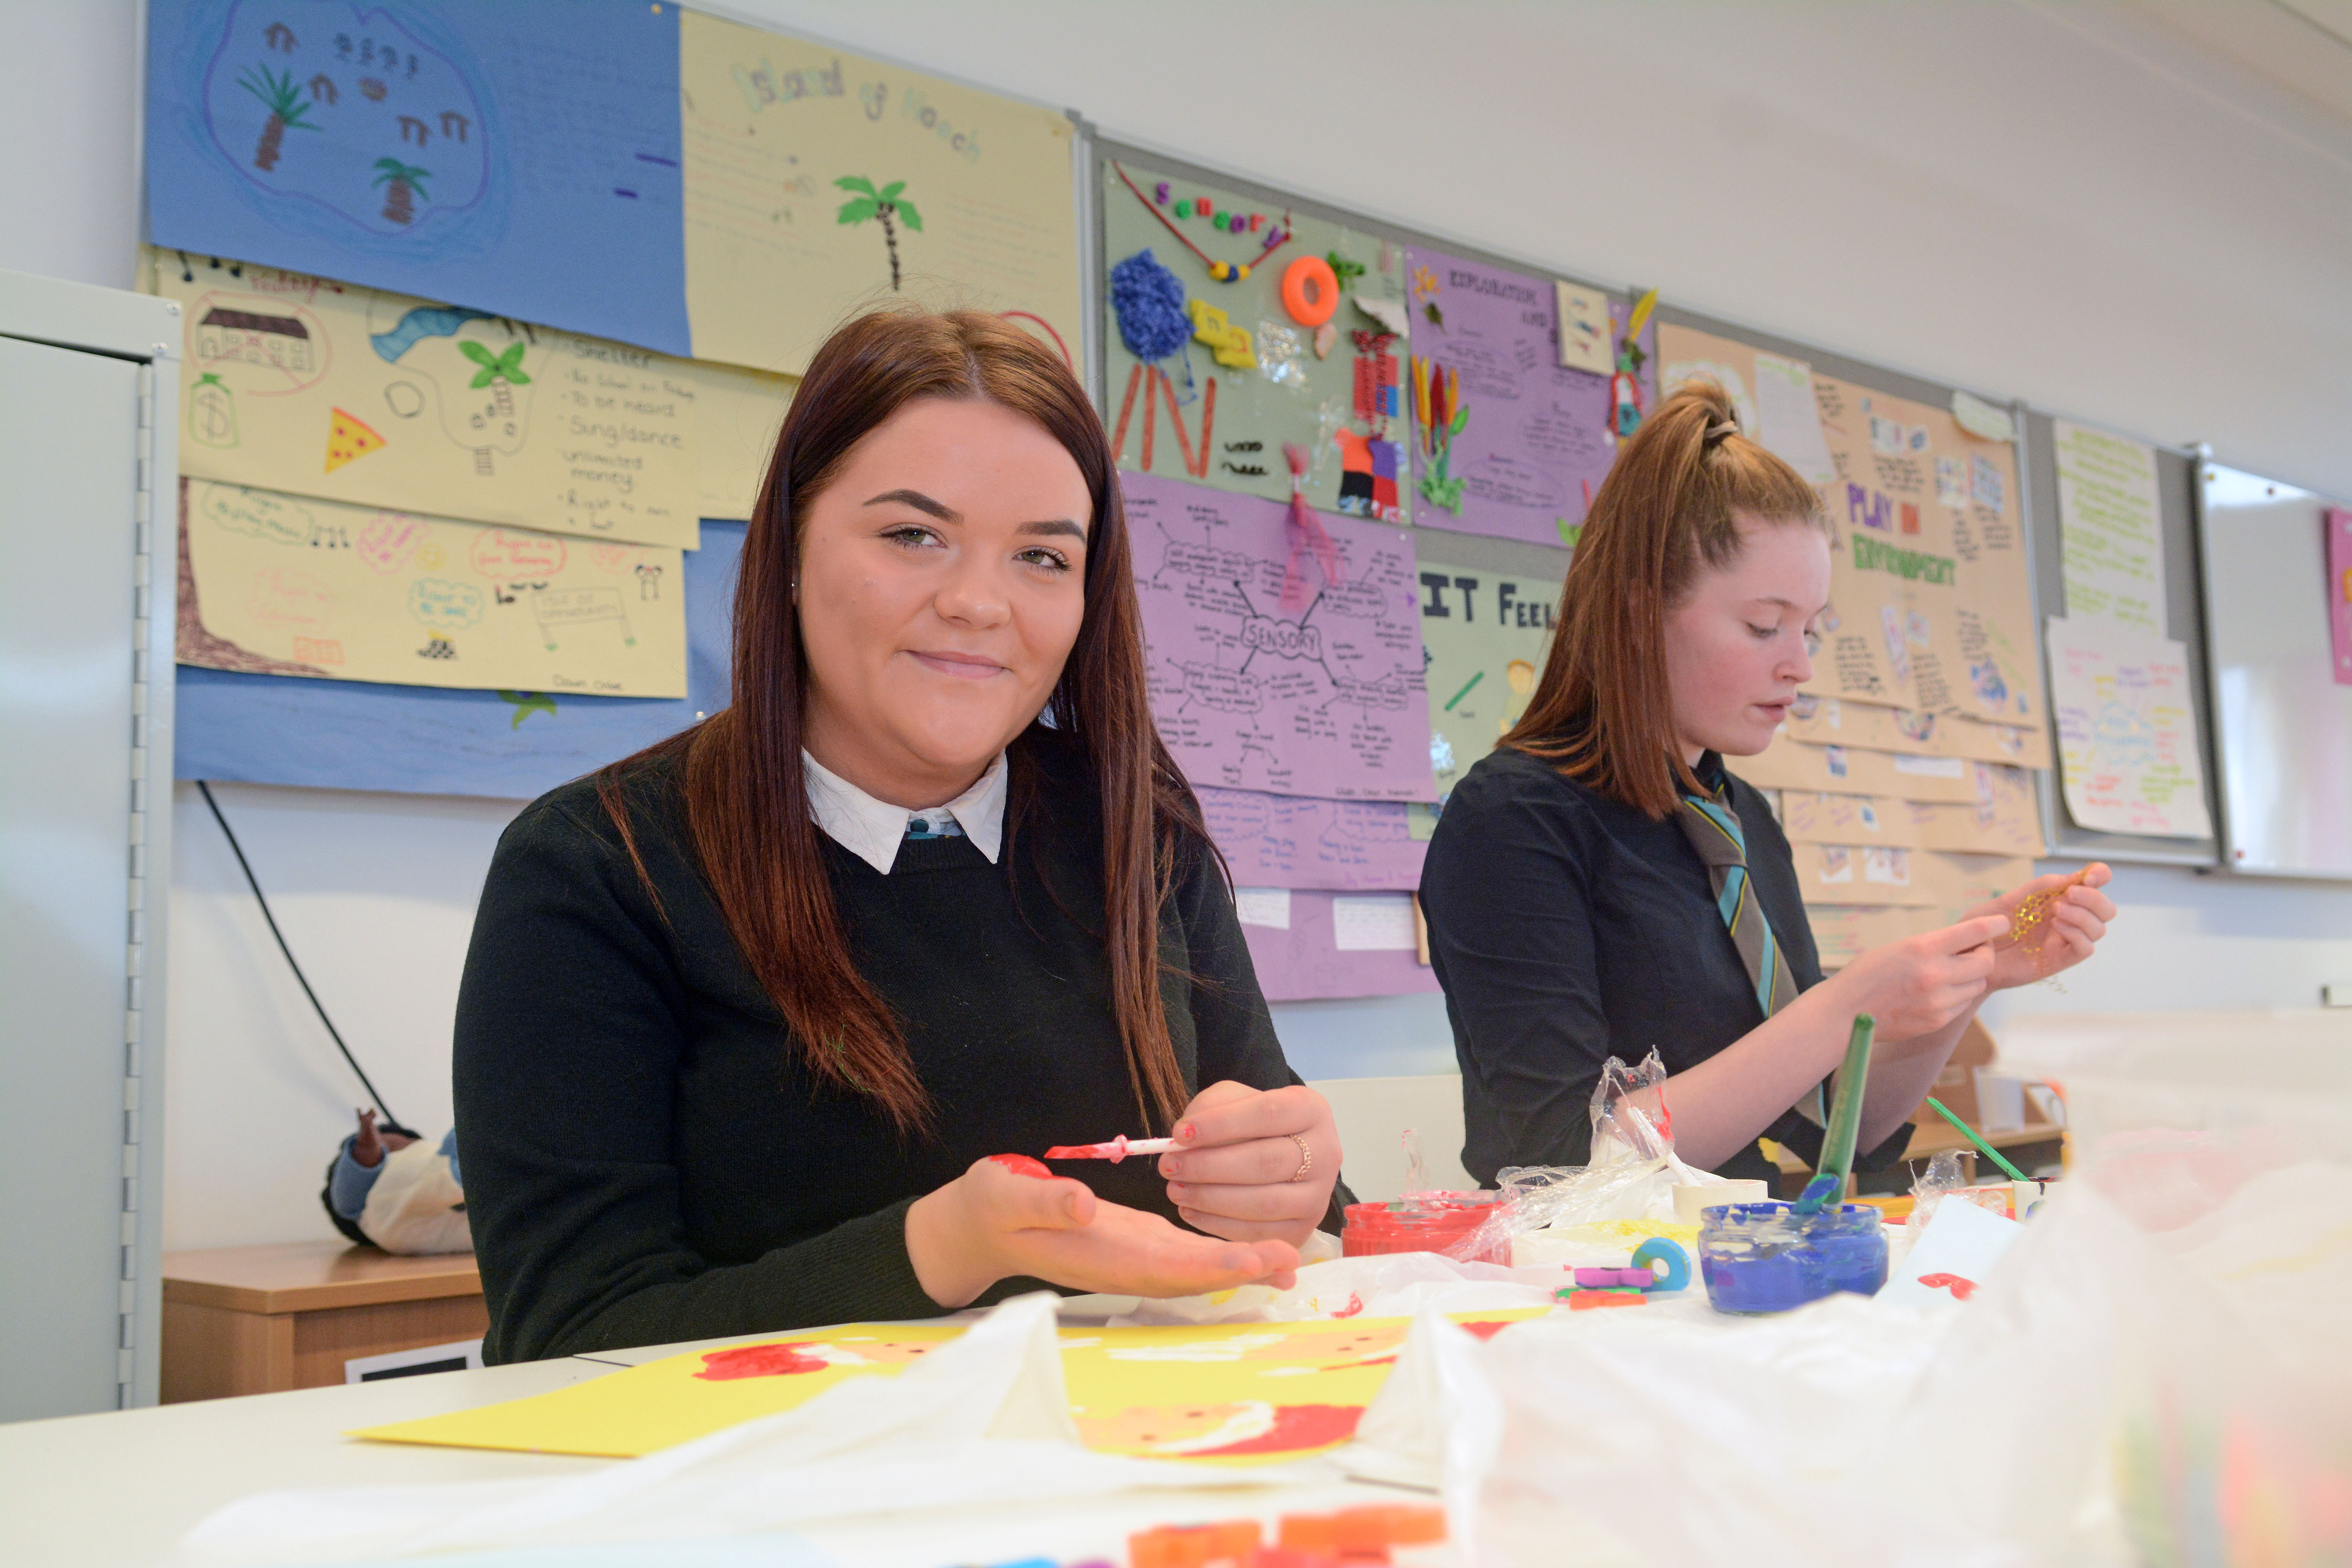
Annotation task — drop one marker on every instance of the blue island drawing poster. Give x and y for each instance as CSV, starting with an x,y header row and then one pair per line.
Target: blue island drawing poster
x,y
521,158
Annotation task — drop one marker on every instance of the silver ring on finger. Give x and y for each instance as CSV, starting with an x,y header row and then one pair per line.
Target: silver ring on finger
x,y
1305,1158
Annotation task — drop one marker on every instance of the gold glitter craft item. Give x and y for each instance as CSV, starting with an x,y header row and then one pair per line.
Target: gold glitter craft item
x,y
2030,924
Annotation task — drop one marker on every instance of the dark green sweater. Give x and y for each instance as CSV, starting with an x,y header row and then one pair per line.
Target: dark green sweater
x,y
647,1162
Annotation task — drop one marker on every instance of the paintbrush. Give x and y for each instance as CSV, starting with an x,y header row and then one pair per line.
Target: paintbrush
x,y
1118,1148
1973,1136
1845,1120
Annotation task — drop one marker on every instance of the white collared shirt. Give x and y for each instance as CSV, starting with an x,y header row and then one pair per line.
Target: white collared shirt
x,y
873,829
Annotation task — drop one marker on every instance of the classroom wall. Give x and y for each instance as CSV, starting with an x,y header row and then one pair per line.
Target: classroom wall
x,y
2076,204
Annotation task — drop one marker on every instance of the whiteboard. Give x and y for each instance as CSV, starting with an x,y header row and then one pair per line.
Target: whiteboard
x,y
2284,725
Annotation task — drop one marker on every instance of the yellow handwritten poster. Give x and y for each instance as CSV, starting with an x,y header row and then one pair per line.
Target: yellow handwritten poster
x,y
819,183
737,413
1931,605
285,585
312,387
1238,1392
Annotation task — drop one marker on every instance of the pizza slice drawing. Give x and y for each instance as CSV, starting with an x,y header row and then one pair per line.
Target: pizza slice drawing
x,y
349,438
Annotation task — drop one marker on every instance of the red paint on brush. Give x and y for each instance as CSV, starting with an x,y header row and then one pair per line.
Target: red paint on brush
x,y
1023,1165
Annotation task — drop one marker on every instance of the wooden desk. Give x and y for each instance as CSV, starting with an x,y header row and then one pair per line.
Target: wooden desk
x,y
261,1319
1933,1137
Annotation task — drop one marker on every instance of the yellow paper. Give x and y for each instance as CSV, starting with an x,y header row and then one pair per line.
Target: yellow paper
x,y
316,388
1239,1393
285,585
737,413
981,207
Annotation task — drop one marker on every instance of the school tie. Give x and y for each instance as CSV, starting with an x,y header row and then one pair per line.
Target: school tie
x,y
1713,829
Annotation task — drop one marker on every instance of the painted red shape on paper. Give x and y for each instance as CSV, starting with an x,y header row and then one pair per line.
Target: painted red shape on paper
x,y
1296,1428
760,1361
1961,1289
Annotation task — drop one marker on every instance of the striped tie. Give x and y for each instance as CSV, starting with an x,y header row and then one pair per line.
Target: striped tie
x,y
1714,831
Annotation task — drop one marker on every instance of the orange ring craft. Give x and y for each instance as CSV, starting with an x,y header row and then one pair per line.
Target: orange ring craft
x,y
1310,290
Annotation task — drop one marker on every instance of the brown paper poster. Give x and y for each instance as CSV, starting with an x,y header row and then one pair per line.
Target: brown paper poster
x,y
1931,604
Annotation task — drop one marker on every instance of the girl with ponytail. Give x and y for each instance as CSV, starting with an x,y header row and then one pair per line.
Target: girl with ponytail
x,y
1601,884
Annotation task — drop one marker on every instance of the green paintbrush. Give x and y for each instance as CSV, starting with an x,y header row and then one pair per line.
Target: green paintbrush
x,y
1973,1136
1845,1120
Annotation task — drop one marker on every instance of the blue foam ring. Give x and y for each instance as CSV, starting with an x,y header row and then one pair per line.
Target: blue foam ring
x,y
1666,1250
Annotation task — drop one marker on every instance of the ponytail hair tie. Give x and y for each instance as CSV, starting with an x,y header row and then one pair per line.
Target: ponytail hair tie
x,y
1718,432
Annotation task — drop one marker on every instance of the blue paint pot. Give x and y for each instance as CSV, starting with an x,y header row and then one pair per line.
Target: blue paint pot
x,y
1765,1257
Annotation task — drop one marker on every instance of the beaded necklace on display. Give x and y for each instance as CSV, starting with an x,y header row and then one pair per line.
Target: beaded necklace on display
x,y
1278,234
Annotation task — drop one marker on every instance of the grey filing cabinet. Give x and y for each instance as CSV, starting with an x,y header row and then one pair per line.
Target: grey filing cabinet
x,y
89,562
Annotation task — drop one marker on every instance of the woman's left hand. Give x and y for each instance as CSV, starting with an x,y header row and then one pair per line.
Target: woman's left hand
x,y
2074,917
1253,1164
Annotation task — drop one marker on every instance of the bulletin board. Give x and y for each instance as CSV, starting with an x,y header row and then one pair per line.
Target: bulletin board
x,y
2184,614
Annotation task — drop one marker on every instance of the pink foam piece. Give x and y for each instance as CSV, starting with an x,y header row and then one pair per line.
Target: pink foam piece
x,y
1596,1278
1639,1279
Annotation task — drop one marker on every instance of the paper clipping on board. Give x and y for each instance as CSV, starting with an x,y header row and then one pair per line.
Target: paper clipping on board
x,y
2127,752
1278,842
1789,423
1276,666
818,183
279,585
2110,528
320,388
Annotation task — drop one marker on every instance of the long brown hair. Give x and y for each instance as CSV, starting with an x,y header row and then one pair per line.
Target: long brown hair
x,y
746,798
1603,712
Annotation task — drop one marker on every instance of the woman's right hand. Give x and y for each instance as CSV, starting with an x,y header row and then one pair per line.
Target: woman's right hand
x,y
1917,987
992,1222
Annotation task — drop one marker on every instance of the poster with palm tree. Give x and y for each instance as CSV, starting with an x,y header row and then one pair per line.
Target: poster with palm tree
x,y
886,205
499,373
405,187
278,95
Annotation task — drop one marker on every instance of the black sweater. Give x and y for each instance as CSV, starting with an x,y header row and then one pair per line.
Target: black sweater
x,y
645,1161
1567,927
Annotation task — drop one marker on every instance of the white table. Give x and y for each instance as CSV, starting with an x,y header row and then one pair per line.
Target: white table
x,y
119,1490
120,1487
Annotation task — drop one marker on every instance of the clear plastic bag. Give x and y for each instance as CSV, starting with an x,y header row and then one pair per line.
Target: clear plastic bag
x,y
1633,1175
1942,1175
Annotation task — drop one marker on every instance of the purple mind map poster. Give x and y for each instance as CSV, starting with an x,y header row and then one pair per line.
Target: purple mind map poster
x,y
1537,442
1312,945
1289,841
1322,696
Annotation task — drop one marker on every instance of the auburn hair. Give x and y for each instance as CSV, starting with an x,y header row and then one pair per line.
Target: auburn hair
x,y
746,797
1602,711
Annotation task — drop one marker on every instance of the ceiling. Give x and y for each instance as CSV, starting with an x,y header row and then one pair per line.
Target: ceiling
x,y
2301,45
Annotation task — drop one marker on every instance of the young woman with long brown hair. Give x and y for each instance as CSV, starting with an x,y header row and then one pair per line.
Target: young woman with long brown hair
x,y
746,1014
1601,884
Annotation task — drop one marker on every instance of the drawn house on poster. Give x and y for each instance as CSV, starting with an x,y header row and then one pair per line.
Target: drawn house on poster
x,y
282,343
